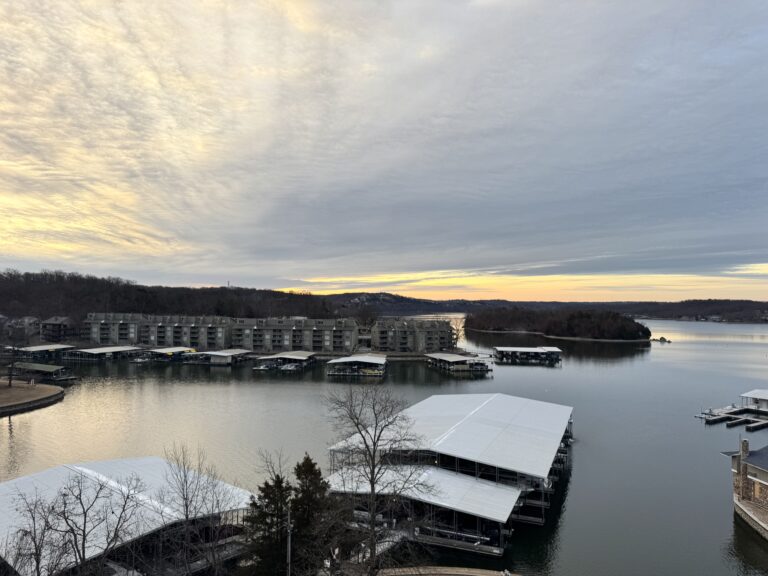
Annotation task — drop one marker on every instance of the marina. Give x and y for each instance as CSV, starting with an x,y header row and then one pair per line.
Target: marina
x,y
752,413
358,365
490,461
519,355
458,364
119,409
294,361
47,373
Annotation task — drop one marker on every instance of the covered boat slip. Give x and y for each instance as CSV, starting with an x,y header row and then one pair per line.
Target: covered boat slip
x,y
160,508
286,361
752,414
101,354
42,372
458,364
453,508
167,354
218,357
494,446
540,355
42,351
365,365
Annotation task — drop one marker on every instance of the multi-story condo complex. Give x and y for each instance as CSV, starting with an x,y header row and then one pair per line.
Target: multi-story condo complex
x,y
408,335
279,334
199,332
330,335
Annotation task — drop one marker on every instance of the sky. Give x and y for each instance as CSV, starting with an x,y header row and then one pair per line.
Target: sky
x,y
520,149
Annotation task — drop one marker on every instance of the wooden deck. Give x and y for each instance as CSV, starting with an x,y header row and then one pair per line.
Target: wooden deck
x,y
22,397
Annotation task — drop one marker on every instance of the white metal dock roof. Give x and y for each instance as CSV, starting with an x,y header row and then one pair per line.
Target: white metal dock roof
x,y
509,432
158,507
292,355
46,348
440,488
535,350
108,350
757,394
172,350
378,359
451,358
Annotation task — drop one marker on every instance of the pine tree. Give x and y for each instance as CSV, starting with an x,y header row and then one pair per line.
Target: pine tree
x,y
266,525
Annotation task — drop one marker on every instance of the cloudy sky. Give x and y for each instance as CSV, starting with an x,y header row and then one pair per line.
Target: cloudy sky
x,y
525,149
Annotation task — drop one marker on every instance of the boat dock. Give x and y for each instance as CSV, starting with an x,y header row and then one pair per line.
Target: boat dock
x,y
752,414
522,356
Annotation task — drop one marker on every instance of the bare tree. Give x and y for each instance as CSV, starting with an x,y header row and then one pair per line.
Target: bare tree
x,y
35,548
94,515
377,458
196,496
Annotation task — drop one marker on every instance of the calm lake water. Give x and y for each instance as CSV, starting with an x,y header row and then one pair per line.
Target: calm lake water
x,y
648,494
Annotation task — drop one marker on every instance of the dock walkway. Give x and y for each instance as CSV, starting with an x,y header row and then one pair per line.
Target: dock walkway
x,y
22,397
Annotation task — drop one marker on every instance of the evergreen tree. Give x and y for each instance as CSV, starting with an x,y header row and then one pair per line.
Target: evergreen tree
x,y
266,525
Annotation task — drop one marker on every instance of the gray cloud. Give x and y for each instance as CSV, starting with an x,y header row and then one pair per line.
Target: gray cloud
x,y
260,142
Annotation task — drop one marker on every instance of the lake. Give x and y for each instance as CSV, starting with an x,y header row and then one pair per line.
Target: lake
x,y
648,492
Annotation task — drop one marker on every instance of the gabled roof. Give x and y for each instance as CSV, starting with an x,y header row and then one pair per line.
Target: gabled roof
x,y
34,367
450,358
757,394
292,355
108,350
439,487
378,359
46,348
158,508
529,350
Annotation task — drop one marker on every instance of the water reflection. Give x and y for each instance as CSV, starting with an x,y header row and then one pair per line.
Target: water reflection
x,y
746,548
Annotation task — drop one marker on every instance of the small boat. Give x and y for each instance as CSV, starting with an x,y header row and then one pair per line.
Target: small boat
x,y
141,360
292,367
265,367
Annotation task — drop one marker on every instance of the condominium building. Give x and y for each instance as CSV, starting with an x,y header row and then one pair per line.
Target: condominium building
x,y
267,335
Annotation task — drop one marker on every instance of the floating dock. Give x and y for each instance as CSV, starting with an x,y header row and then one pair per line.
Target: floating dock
x,y
752,414
520,356
358,365
458,364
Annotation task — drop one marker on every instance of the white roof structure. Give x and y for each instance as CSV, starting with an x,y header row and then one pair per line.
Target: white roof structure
x,y
107,350
300,355
158,506
535,350
378,359
172,350
516,434
437,487
451,358
46,348
229,352
757,394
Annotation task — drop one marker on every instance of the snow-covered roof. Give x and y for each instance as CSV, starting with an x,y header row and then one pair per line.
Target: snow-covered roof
x,y
108,350
508,432
172,350
757,394
158,505
378,359
529,350
46,348
438,487
293,355
451,358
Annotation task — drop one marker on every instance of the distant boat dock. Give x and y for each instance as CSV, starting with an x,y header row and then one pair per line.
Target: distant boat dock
x,y
752,413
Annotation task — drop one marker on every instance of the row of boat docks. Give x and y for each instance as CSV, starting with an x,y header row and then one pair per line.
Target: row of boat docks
x,y
752,413
367,364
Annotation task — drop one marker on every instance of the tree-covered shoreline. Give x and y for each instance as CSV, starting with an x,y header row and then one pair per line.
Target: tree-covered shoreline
x,y
568,323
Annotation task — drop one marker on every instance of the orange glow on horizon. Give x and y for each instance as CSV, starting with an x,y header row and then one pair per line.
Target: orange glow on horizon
x,y
446,285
